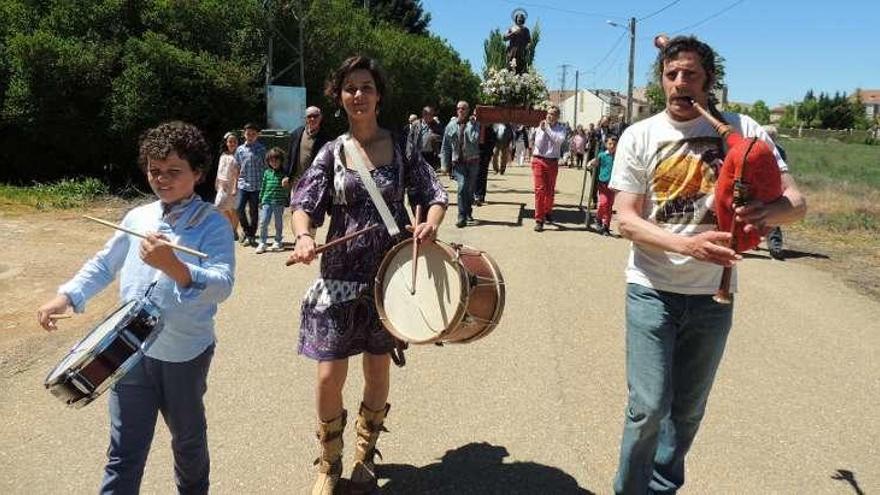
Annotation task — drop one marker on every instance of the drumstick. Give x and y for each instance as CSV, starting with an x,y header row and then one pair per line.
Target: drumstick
x,y
60,316
143,236
415,251
323,247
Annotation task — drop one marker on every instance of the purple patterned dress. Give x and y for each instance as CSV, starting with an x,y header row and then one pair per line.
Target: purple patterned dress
x,y
338,316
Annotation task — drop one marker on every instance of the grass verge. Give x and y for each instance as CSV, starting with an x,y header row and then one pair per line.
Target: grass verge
x,y
66,193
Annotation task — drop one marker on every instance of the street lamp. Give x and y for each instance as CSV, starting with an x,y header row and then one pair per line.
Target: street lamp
x,y
632,60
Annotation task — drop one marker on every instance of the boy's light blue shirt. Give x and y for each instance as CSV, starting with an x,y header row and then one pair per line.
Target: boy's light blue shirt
x,y
188,313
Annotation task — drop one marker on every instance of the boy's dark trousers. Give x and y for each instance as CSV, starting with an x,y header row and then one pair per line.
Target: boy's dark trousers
x,y
251,201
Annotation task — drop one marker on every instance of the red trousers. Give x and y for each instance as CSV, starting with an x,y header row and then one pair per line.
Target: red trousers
x,y
544,171
606,202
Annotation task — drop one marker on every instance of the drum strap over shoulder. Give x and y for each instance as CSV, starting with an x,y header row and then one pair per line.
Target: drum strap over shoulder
x,y
370,185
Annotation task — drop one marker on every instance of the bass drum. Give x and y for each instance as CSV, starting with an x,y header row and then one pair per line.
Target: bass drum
x,y
459,294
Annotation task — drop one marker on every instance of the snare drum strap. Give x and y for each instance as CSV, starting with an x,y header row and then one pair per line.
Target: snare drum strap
x,y
356,157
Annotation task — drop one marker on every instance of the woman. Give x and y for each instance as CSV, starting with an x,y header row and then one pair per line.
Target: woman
x,y
227,181
339,318
578,146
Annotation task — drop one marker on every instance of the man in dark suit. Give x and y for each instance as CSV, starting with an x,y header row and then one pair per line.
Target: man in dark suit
x,y
305,142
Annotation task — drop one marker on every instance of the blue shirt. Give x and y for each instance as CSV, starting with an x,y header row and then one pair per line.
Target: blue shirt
x,y
252,160
187,313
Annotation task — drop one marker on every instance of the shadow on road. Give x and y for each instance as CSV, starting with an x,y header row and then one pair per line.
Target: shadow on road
x,y
849,477
477,468
787,254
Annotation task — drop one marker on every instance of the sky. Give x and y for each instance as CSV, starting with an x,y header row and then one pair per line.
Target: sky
x,y
775,50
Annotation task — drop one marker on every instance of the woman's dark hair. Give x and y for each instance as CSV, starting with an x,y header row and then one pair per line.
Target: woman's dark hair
x,y
680,44
333,87
175,136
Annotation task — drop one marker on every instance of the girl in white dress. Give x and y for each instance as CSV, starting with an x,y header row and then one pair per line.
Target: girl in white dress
x,y
227,181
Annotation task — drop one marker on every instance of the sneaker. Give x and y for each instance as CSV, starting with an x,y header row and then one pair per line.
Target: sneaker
x,y
277,246
261,248
472,221
252,242
539,226
461,223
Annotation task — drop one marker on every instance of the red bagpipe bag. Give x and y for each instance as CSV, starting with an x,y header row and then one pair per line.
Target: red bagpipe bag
x,y
750,172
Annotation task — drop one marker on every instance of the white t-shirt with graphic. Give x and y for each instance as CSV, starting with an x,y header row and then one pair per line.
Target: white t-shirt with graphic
x,y
674,165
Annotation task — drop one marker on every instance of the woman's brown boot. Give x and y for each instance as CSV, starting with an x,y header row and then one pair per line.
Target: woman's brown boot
x,y
368,426
329,463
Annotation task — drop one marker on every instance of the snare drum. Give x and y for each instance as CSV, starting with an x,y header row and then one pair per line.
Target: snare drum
x,y
459,294
106,354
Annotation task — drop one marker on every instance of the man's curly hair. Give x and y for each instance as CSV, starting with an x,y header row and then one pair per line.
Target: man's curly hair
x,y
679,44
175,136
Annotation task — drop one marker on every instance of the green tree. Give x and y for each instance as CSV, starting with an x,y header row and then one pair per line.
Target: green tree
x,y
494,52
84,77
535,33
409,15
760,112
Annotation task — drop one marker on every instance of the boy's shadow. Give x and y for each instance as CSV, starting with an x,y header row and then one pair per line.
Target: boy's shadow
x,y
477,468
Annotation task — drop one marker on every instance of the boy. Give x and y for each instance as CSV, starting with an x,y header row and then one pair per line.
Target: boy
x,y
172,376
251,157
605,162
273,197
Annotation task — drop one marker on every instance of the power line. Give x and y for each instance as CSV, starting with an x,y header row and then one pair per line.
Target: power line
x,y
652,14
614,47
567,11
707,19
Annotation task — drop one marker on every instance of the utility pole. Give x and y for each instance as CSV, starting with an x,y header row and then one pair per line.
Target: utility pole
x,y
577,74
632,63
565,68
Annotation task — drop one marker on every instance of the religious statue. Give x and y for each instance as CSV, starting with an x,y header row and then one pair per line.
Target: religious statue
x,y
518,39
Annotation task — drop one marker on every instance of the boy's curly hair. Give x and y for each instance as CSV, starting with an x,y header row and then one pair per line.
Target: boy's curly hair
x,y
175,136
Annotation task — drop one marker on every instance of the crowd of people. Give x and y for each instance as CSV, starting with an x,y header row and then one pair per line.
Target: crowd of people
x,y
675,332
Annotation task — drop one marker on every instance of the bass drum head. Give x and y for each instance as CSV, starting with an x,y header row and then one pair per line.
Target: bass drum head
x,y
91,344
436,305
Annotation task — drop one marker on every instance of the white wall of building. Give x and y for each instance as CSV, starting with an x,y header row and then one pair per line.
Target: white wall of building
x,y
590,109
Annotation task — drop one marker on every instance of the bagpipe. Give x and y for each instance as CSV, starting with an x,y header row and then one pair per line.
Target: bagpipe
x,y
750,173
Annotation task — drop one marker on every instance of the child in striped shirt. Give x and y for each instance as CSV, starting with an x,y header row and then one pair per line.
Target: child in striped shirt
x,y
273,198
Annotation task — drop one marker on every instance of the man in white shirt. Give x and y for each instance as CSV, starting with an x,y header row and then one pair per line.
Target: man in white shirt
x,y
665,170
547,149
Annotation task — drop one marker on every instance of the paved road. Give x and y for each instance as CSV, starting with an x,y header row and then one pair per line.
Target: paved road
x,y
535,408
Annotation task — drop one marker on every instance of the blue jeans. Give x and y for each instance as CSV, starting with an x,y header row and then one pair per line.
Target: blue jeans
x,y
175,389
267,212
251,201
466,175
674,344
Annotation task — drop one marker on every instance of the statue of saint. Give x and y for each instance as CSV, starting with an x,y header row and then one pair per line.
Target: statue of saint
x,y
518,38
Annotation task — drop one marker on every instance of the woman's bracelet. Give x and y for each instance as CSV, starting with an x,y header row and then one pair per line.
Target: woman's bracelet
x,y
304,234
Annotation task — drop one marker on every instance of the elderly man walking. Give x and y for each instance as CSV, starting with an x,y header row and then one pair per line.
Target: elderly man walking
x,y
305,141
460,152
